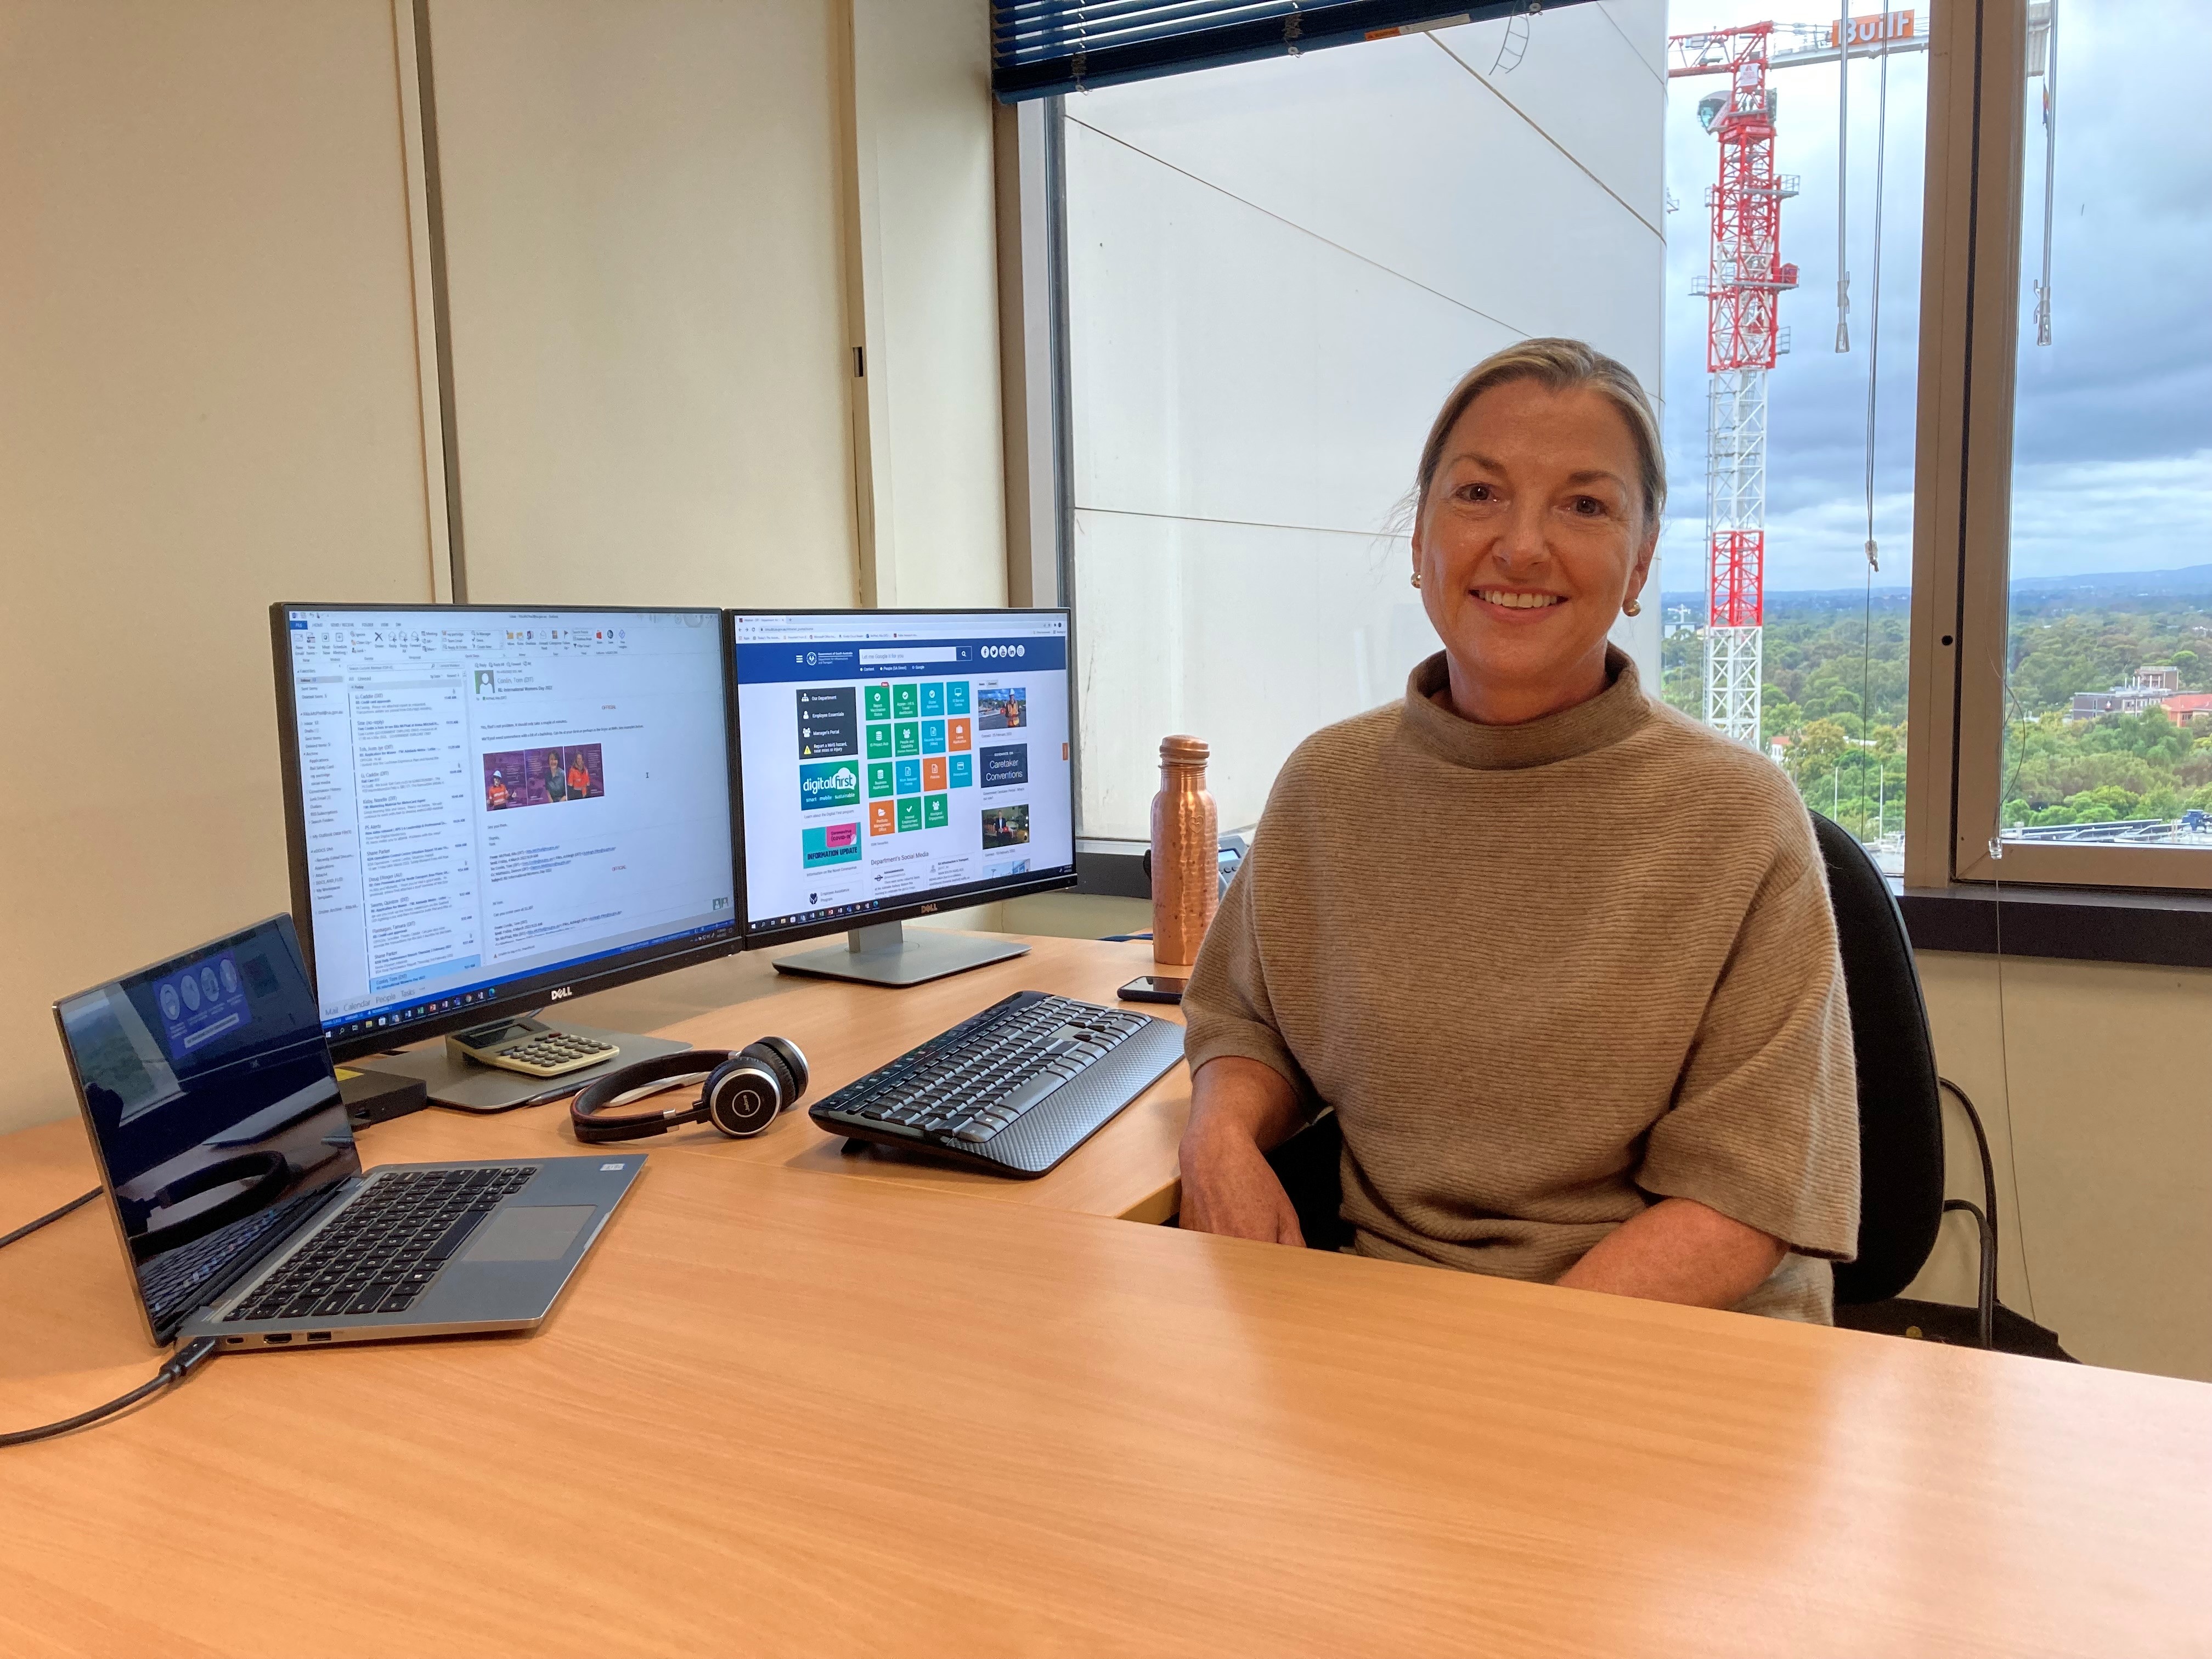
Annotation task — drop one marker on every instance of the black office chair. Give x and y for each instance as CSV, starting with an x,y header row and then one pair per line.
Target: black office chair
x,y
1901,1202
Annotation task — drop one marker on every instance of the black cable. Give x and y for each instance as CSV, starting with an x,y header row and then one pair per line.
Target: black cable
x,y
1986,1217
187,1360
30,1227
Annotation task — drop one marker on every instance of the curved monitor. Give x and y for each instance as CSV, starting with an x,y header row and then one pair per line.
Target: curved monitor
x,y
893,763
491,809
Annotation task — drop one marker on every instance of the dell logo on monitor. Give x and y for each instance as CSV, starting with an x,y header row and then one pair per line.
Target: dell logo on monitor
x,y
562,994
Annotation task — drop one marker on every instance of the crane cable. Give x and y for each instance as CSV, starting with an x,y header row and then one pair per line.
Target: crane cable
x,y
1873,380
1843,176
1874,320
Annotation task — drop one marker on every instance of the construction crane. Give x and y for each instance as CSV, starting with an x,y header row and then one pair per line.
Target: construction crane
x,y
1744,279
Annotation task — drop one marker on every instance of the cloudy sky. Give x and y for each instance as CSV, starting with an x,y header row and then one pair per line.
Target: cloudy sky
x,y
2113,464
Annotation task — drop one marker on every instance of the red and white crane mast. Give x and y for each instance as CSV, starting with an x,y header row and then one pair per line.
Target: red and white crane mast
x,y
1744,281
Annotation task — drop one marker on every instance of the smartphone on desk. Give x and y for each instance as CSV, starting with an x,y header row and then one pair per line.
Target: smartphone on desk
x,y
1152,987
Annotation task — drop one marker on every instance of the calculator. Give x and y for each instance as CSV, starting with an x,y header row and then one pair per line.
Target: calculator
x,y
529,1047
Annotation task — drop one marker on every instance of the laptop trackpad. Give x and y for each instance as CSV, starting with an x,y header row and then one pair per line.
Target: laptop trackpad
x,y
530,1232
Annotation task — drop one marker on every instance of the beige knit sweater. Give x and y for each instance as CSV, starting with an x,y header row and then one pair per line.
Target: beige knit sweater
x,y
1547,974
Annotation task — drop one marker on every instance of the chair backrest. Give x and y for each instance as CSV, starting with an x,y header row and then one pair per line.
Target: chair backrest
x,y
1900,1112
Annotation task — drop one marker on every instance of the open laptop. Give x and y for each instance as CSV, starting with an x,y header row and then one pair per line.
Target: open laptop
x,y
230,1169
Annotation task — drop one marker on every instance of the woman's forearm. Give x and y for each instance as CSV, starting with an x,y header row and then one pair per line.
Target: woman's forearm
x,y
1243,1094
1679,1250
1238,1108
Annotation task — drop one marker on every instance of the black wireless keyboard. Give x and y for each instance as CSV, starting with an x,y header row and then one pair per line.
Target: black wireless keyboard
x,y
1012,1090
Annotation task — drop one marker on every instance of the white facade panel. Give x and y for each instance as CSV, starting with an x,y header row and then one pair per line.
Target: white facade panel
x,y
1276,272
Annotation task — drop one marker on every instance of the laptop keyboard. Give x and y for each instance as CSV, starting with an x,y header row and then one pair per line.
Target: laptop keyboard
x,y
180,1280
384,1249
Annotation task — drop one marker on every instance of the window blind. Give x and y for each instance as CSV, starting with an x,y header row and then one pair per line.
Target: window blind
x,y
1041,47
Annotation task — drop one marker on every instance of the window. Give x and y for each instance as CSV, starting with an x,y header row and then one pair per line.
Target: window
x,y
1273,270
1793,269
2095,763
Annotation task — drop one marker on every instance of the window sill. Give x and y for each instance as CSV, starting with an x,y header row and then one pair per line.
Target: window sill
x,y
2073,924
1112,869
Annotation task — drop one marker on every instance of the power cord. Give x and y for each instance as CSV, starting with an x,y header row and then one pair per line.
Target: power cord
x,y
49,1218
187,1360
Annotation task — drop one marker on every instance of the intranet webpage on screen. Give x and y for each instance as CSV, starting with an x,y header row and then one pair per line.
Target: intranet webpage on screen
x,y
890,757
490,794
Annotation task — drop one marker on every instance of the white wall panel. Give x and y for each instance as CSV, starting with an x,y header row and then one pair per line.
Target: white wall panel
x,y
1587,80
1227,366
1183,621
1393,151
1276,272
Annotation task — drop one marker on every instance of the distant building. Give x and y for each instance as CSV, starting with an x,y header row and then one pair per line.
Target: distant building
x,y
2147,687
2183,705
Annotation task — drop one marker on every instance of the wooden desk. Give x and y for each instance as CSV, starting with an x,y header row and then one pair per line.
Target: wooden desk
x,y
777,1415
1128,1169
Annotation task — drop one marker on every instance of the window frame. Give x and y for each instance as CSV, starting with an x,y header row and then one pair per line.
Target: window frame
x,y
1971,324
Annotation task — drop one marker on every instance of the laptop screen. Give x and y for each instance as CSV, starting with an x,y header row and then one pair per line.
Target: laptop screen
x,y
208,1088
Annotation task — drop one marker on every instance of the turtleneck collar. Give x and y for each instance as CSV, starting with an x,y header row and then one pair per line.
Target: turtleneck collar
x,y
1608,717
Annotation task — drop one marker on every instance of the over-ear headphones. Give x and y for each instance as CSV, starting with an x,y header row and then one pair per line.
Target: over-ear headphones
x,y
744,1091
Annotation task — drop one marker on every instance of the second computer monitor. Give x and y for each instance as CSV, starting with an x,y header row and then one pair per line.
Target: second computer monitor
x,y
892,763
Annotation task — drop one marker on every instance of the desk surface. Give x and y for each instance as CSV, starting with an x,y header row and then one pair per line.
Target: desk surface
x,y
778,1414
1128,1169
784,1415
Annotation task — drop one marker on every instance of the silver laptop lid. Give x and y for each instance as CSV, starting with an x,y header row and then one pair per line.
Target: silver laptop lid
x,y
208,1089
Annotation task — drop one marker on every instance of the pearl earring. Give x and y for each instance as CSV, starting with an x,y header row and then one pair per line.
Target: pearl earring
x,y
1632,609
1416,579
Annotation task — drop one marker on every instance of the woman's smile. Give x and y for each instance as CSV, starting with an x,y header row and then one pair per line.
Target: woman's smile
x,y
1519,605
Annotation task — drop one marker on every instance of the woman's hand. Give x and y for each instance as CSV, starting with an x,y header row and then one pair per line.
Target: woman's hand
x,y
1238,1108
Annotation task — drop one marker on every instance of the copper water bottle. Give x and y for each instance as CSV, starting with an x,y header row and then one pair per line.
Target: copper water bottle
x,y
1186,836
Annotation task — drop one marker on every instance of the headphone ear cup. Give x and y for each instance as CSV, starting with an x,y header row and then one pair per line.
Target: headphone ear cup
x,y
742,1096
782,1058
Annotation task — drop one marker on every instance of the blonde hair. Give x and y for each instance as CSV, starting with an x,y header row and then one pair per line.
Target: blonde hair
x,y
1557,365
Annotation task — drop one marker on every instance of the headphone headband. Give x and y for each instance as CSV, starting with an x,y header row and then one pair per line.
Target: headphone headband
x,y
586,1111
744,1091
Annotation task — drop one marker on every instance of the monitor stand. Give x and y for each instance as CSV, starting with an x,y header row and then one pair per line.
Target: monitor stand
x,y
467,1085
886,954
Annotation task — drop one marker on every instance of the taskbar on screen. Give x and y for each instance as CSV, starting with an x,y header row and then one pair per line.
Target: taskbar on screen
x,y
945,899
452,1002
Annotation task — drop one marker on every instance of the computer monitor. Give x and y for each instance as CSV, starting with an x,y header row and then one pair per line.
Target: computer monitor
x,y
492,809
894,763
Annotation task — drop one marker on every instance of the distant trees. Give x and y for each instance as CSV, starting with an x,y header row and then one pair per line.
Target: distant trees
x,y
1834,695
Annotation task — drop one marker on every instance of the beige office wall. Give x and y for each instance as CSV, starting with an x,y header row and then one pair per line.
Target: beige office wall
x,y
643,239
209,401
2095,1080
924,209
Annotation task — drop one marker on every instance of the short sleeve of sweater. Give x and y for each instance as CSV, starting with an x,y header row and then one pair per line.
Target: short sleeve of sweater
x,y
1765,1124
1226,1008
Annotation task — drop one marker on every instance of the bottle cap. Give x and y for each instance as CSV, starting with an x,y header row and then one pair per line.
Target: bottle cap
x,y
1182,749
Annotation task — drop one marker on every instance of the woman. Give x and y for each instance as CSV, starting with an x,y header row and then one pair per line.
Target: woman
x,y
580,777
1561,958
557,779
